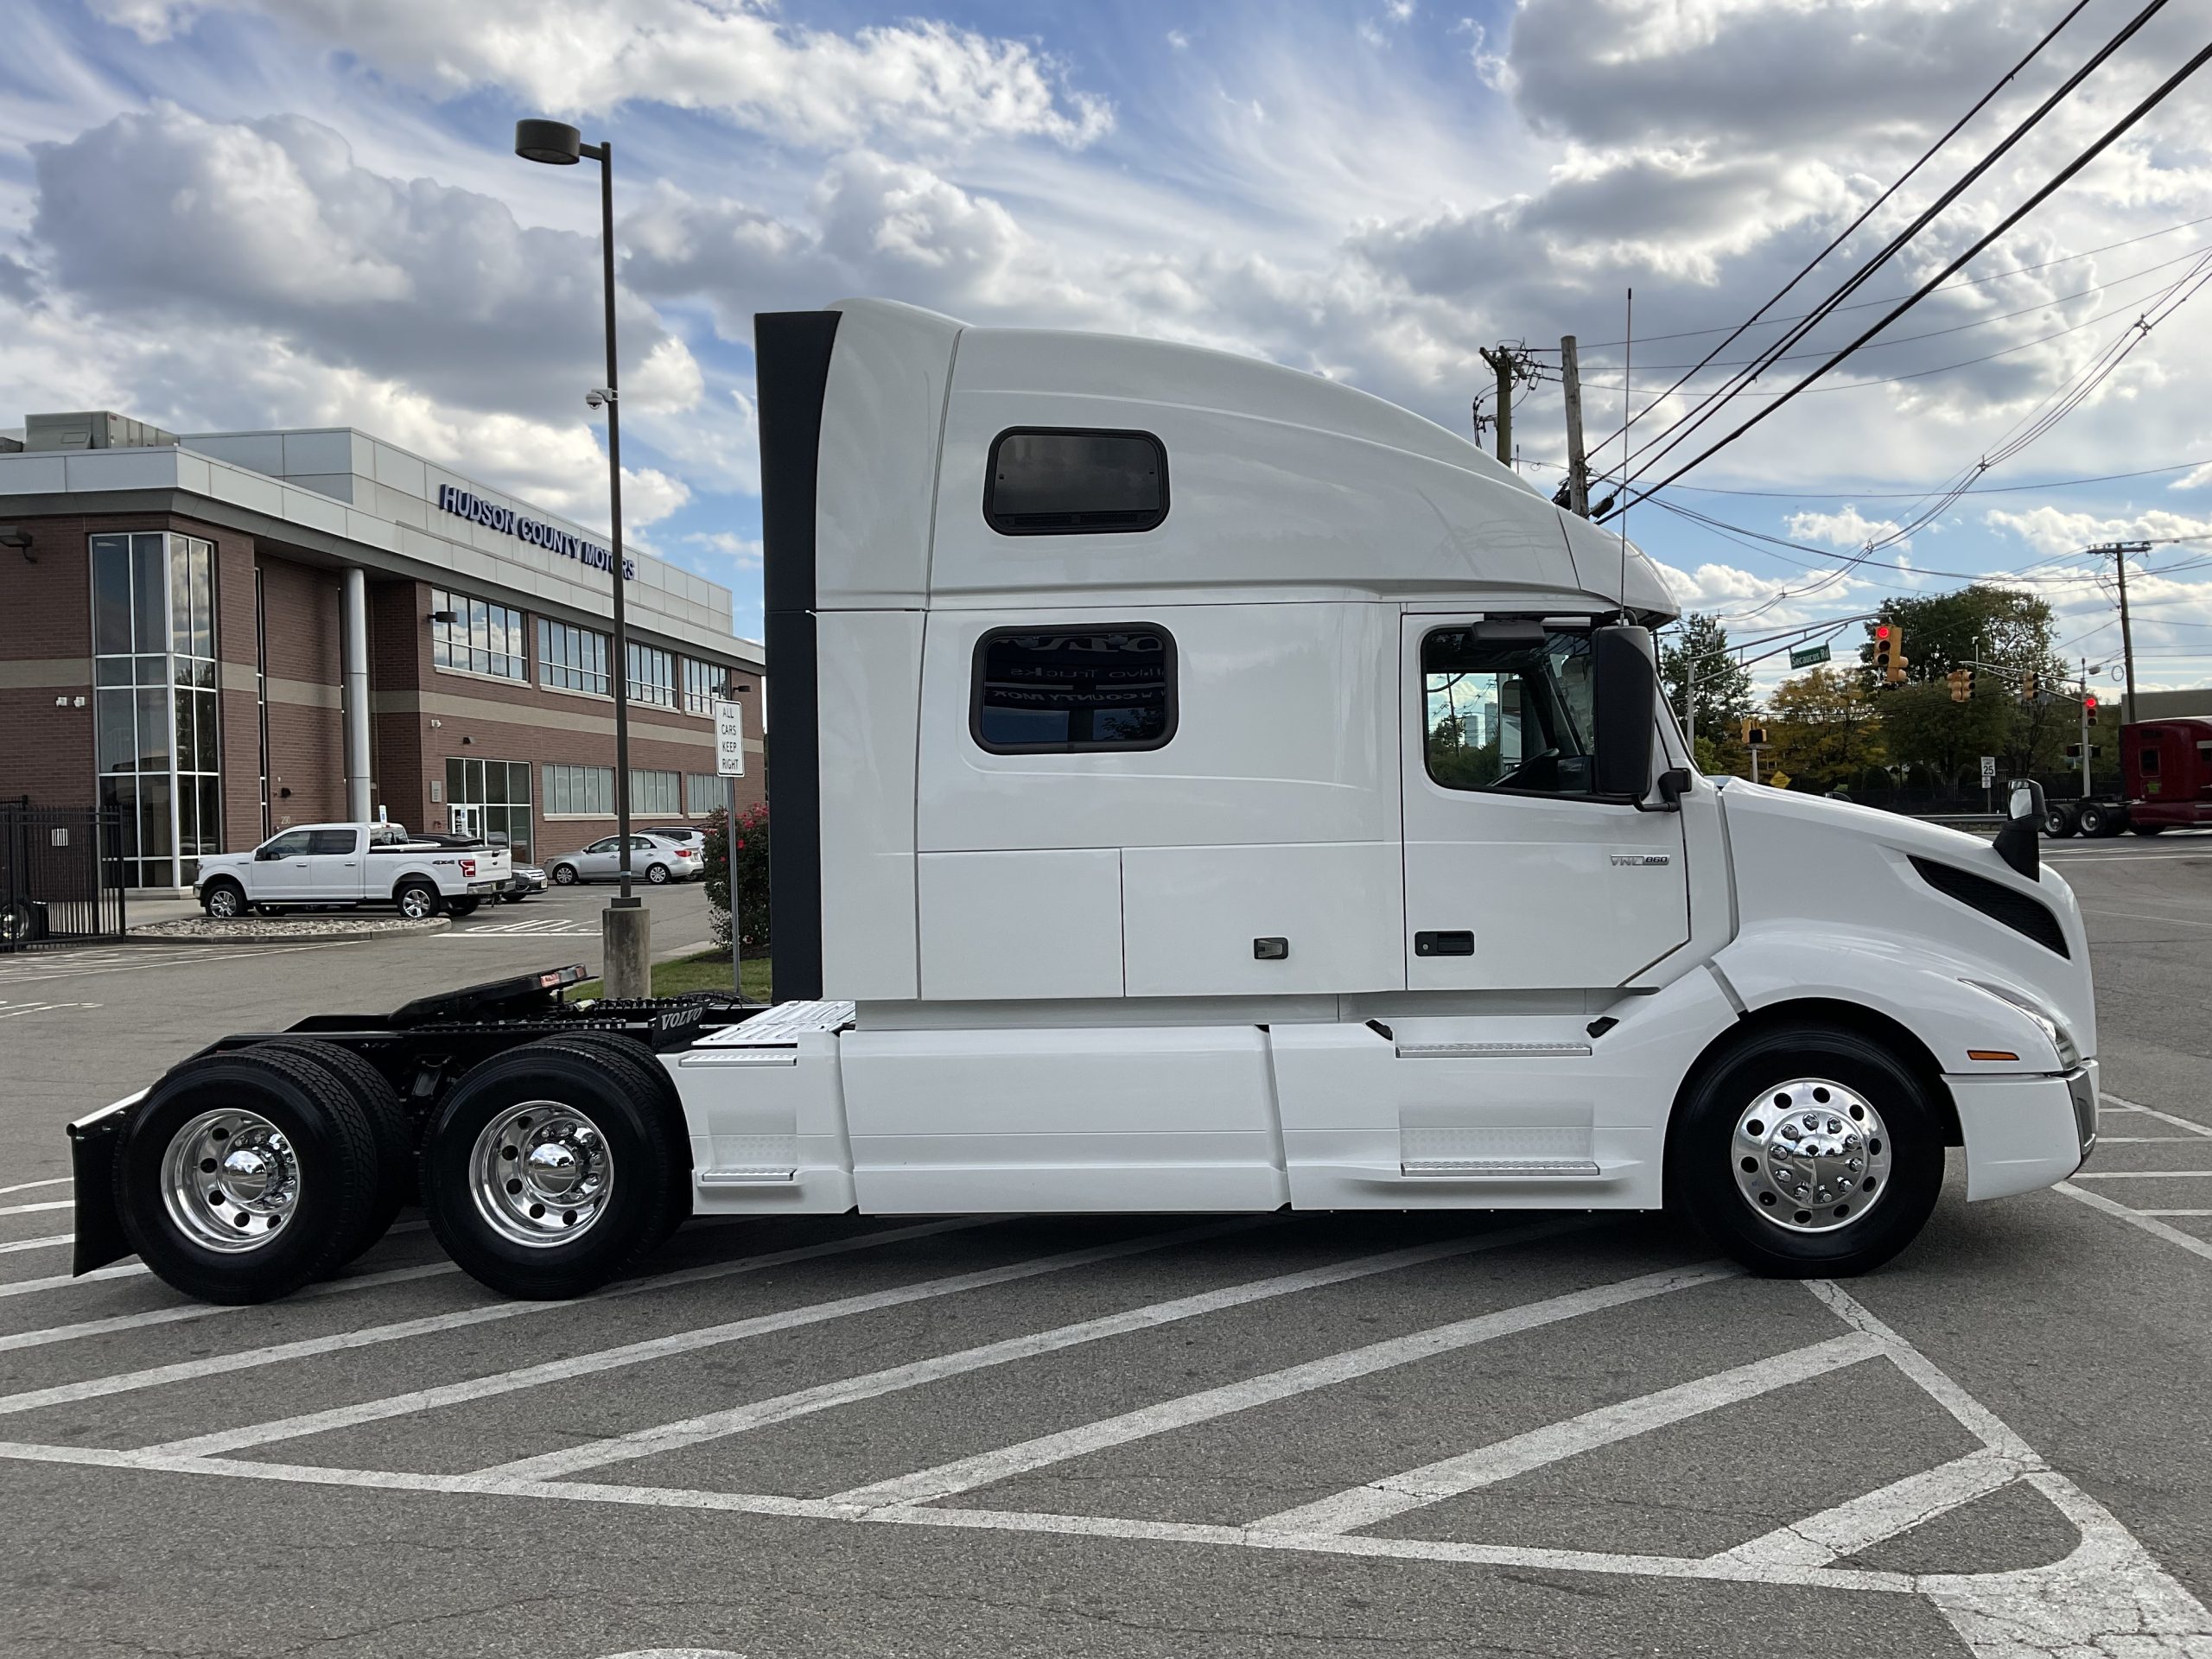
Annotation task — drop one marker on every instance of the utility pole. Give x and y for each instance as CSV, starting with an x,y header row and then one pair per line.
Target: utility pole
x,y
1509,361
1578,463
2085,729
2120,551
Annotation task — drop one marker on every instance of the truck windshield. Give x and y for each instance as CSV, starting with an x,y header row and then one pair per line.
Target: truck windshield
x,y
1508,716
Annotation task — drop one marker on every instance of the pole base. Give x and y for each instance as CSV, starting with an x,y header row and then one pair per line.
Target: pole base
x,y
625,934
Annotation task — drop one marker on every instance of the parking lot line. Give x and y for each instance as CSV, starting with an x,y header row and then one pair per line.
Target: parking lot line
x,y
27,1209
737,1420
2150,1224
64,1281
2193,1126
431,1325
680,1342
26,1186
2142,1175
48,1243
965,1474
1871,1518
2174,1212
183,1310
1449,1477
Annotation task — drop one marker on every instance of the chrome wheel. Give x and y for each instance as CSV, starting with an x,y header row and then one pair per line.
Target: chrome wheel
x,y
1811,1156
225,901
230,1181
417,904
541,1172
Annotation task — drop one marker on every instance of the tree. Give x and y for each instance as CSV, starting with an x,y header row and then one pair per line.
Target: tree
x,y
2001,634
1721,692
1823,728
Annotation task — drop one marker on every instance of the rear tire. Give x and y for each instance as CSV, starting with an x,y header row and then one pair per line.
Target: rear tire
x,y
1817,1114
651,1082
274,1139
417,901
2147,829
2057,820
549,1170
395,1135
2094,819
658,874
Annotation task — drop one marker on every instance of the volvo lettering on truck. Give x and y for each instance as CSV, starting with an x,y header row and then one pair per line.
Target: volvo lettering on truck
x,y
1199,786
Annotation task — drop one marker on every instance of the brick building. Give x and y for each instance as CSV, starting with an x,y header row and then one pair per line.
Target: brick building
x,y
227,633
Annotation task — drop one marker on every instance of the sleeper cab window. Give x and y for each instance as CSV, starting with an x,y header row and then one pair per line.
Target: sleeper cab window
x,y
1074,691
1059,481
1508,707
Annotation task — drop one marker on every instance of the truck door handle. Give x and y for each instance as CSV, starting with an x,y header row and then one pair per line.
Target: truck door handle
x,y
1460,942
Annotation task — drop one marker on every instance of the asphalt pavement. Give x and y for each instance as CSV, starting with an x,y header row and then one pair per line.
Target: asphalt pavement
x,y
1122,1436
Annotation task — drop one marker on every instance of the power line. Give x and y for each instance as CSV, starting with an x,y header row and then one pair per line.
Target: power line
x,y
2164,90
1915,495
1630,418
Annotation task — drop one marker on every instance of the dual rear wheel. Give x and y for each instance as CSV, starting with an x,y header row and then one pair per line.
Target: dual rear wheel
x,y
550,1169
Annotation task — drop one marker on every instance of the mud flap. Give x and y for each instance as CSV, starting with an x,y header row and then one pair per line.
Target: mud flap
x,y
93,1144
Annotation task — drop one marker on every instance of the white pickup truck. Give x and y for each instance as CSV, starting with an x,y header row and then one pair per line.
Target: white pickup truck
x,y
319,865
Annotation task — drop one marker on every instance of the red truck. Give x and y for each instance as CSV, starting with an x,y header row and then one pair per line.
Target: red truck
x,y
2166,773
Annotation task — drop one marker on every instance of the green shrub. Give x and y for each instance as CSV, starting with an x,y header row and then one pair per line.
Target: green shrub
x,y
751,877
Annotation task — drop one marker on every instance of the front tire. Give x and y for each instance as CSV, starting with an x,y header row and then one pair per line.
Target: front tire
x,y
1807,1151
549,1171
245,1175
224,901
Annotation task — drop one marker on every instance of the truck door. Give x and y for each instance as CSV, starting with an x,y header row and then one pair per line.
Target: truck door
x,y
333,866
1518,876
282,869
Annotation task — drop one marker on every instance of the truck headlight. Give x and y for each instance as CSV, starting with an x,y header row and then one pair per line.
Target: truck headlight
x,y
2061,1041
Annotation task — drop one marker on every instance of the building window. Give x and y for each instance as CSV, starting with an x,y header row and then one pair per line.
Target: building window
x,y
653,676
1074,691
475,636
571,659
580,792
701,682
1508,713
157,745
656,792
489,799
705,792
1053,481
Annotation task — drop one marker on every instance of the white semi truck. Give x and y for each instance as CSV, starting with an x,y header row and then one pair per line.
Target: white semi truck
x,y
1199,786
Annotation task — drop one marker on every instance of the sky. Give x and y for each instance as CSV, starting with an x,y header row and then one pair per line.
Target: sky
x,y
235,213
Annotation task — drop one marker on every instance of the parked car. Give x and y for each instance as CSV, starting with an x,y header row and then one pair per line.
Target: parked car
x,y
319,865
655,858
689,834
527,880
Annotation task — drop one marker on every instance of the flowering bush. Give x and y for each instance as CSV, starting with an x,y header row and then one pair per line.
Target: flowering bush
x,y
751,866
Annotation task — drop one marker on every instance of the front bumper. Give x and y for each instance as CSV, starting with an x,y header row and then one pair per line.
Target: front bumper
x,y
2026,1132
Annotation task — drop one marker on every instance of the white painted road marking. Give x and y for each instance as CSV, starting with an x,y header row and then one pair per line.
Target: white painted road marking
x,y
987,1468
1396,1494
27,1209
48,1243
1872,1517
210,1310
2150,1224
638,1353
693,1431
430,1325
25,1186
2143,1175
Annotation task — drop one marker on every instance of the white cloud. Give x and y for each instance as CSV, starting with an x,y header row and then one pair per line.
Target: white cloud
x,y
744,551
2052,530
734,58
1849,528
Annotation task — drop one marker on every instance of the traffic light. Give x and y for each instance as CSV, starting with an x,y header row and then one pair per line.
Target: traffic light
x,y
2090,708
1889,652
1754,734
2028,686
1961,683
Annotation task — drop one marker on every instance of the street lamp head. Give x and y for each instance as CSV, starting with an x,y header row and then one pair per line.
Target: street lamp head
x,y
555,143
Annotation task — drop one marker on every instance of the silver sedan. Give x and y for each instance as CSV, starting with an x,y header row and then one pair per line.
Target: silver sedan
x,y
657,859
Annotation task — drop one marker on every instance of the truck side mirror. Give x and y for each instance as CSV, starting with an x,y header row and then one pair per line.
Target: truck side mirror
x,y
1626,689
2019,842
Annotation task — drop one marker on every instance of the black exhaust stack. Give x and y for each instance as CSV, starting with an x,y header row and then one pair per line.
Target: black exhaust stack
x,y
791,354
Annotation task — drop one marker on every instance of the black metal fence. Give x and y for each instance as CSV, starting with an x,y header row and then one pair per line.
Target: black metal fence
x,y
61,875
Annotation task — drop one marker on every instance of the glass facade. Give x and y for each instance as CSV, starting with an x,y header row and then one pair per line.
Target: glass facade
x,y
700,680
570,658
580,792
475,636
494,799
159,748
656,793
705,792
653,676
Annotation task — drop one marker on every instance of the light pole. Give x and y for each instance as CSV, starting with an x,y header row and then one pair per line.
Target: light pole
x,y
627,925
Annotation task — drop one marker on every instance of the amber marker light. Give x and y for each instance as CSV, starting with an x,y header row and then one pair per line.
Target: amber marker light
x,y
1990,1054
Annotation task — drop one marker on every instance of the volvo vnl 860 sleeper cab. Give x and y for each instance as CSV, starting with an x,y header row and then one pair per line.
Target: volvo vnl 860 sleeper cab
x,y
1199,786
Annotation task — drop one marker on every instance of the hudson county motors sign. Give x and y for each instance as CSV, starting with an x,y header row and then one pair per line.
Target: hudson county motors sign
x,y
464,503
